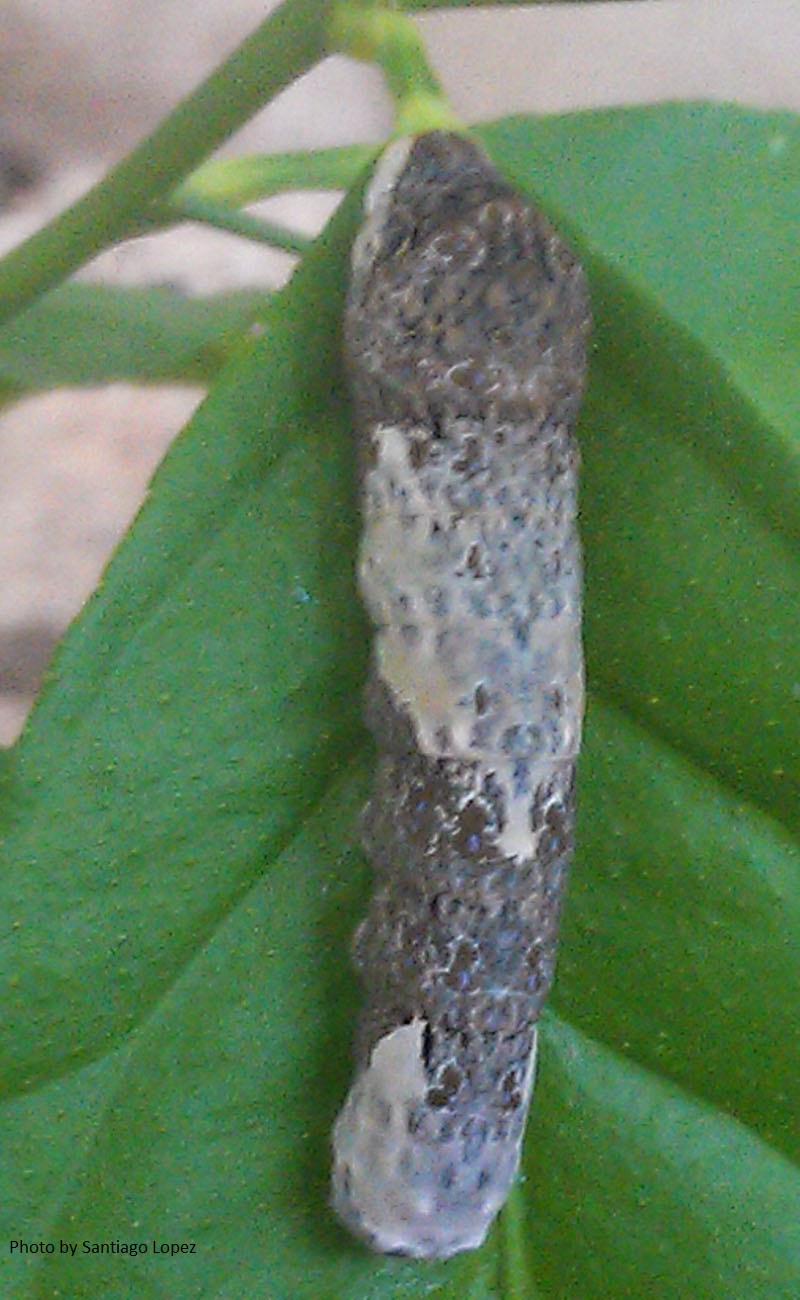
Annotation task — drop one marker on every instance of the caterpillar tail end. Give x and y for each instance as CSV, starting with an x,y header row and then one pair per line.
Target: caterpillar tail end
x,y
411,1180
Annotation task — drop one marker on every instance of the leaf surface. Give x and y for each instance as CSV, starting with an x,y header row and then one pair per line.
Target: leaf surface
x,y
94,334
180,865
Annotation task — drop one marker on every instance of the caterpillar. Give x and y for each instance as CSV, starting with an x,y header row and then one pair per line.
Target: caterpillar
x,y
465,332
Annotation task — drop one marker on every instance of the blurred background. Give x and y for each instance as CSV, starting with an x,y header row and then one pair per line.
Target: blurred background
x,y
80,83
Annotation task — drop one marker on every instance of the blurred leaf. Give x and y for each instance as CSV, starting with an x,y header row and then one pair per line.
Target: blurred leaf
x,y
181,871
92,334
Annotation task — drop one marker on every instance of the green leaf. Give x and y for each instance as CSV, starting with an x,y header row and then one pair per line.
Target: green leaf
x,y
224,590
675,1198
180,865
686,884
712,244
691,519
92,334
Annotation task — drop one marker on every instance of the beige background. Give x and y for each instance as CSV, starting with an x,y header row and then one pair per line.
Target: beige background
x,y
80,82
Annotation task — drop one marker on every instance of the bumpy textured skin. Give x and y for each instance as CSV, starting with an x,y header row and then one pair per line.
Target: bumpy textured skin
x,y
465,335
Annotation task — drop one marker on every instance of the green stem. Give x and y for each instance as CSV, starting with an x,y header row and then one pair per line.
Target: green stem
x,y
194,207
290,41
258,176
388,38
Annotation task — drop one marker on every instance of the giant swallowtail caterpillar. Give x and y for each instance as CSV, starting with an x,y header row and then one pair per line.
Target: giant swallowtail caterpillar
x,y
465,333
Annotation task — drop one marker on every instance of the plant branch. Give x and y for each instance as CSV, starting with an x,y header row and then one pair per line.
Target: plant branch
x,y
290,41
208,212
390,39
246,179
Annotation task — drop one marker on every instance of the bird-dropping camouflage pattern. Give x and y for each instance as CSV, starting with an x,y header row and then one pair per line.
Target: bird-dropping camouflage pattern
x,y
465,333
